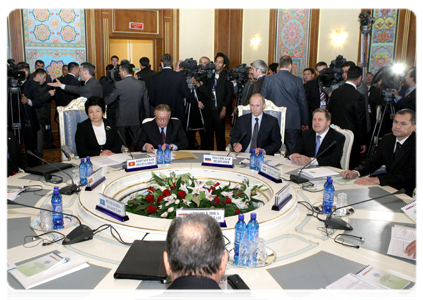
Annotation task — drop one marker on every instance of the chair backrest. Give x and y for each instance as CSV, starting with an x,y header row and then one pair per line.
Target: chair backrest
x,y
279,112
151,119
346,153
69,117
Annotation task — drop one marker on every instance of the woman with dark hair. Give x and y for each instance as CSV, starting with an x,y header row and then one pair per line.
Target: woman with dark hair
x,y
96,135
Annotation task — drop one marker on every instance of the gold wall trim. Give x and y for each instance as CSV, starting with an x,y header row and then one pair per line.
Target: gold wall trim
x,y
93,29
405,34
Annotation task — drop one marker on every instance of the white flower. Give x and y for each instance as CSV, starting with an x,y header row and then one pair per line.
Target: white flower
x,y
184,188
164,215
227,194
239,203
187,203
209,195
198,187
177,202
169,200
170,209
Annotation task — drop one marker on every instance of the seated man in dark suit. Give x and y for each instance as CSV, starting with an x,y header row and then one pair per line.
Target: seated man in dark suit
x,y
262,130
397,151
314,141
162,131
195,256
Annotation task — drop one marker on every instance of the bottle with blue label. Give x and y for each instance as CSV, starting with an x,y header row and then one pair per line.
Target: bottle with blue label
x,y
253,227
328,195
259,160
56,202
240,233
167,155
89,166
253,159
82,173
160,155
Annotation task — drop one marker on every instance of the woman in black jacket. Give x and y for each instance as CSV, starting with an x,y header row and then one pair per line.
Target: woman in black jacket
x,y
96,135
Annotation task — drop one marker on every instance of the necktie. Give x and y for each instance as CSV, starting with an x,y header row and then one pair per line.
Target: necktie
x,y
397,148
407,93
163,137
255,134
317,145
322,98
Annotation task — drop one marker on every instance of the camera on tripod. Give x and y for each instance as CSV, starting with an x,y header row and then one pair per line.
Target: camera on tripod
x,y
239,74
13,73
199,72
331,78
390,77
112,73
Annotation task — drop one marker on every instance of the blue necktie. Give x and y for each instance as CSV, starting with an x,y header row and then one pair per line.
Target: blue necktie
x,y
317,145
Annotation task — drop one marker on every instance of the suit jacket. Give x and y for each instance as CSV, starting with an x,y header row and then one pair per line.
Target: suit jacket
x,y
146,74
133,101
92,87
285,89
269,135
362,88
196,287
348,111
15,157
31,89
408,101
255,88
63,97
169,87
175,134
401,170
86,141
312,94
245,92
224,92
332,157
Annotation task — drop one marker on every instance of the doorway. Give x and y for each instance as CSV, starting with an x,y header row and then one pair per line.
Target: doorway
x,y
133,50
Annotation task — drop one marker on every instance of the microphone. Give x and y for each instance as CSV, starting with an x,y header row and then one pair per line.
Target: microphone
x,y
242,137
67,190
123,142
338,223
79,234
296,178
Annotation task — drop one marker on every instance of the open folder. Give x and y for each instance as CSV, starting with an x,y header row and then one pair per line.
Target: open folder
x,y
143,261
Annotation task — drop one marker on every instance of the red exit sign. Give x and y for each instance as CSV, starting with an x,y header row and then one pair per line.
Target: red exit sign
x,y
135,25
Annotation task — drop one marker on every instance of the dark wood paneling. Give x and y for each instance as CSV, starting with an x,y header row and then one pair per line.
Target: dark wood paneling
x,y
228,34
273,23
314,37
16,35
405,51
122,17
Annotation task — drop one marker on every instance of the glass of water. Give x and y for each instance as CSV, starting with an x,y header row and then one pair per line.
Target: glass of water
x,y
46,217
75,176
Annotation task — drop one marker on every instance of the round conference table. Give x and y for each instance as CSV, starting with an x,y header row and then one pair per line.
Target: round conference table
x,y
306,254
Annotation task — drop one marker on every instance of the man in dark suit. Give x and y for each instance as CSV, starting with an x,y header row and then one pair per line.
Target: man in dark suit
x,y
63,97
195,261
259,69
262,130
170,87
16,160
314,141
285,89
145,73
162,131
397,151
409,98
315,96
91,87
348,112
133,104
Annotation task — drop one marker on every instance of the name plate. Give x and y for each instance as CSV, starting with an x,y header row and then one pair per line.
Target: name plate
x,y
216,213
218,161
141,164
112,207
282,197
95,179
271,173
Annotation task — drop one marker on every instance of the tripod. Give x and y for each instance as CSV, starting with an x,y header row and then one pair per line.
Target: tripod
x,y
241,85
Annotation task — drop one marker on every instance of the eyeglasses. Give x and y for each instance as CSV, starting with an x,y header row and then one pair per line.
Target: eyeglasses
x,y
162,119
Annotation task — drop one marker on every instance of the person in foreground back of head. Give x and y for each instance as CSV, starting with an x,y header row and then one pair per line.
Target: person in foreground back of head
x,y
195,256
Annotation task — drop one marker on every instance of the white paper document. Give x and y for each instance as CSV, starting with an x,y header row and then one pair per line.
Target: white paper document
x,y
351,282
401,237
410,210
382,278
319,172
115,159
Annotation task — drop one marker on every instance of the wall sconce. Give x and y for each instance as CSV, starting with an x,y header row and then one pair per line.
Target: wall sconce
x,y
255,40
338,36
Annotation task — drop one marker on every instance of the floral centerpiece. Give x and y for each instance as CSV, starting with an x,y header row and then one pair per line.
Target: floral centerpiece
x,y
167,193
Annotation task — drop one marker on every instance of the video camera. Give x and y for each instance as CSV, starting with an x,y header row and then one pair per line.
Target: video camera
x,y
391,79
240,74
331,78
13,73
199,72
112,73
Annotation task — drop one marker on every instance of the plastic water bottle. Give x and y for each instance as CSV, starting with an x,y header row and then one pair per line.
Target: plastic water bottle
x,y
82,173
240,233
159,155
328,194
253,227
167,155
259,160
253,159
89,166
56,202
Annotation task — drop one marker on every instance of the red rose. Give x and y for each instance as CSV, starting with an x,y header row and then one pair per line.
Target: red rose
x,y
150,198
217,184
213,188
228,200
151,209
151,189
240,192
216,200
160,198
236,211
166,193
182,194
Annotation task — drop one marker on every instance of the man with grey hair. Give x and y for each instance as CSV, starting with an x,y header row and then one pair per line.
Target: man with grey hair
x,y
259,69
195,256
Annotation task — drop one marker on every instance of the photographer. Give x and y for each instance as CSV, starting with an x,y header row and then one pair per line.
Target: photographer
x,y
408,100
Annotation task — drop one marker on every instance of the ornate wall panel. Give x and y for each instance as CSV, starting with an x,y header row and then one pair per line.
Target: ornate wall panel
x,y
293,27
382,45
56,36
